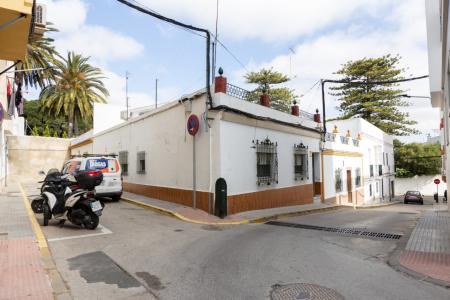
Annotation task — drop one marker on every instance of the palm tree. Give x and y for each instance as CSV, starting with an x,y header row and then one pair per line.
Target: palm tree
x,y
77,86
36,69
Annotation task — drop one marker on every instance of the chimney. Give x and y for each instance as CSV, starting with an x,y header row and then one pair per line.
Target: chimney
x,y
317,116
265,99
295,111
220,83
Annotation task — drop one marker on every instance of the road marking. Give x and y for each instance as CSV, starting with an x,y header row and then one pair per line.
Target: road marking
x,y
103,229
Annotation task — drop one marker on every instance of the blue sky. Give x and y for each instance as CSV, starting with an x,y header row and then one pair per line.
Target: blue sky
x,y
323,34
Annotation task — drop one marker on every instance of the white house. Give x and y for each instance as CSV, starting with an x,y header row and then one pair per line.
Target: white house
x,y
358,161
267,158
438,38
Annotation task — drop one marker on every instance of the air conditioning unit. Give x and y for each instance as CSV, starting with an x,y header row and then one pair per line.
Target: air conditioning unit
x,y
40,14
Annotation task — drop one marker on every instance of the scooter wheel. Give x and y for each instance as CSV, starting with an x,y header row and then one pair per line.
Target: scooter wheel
x,y
46,212
92,221
37,205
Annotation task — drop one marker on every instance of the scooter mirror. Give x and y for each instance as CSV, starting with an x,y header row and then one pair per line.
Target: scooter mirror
x,y
42,173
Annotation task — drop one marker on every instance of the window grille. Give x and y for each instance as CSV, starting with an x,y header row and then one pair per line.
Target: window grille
x,y
301,162
356,143
123,159
344,140
338,180
370,189
330,137
371,170
140,162
357,177
266,162
380,170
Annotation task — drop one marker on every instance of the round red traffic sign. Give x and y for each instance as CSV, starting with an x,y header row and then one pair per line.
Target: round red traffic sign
x,y
437,181
193,124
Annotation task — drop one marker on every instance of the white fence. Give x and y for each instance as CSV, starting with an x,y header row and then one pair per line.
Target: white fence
x,y
424,184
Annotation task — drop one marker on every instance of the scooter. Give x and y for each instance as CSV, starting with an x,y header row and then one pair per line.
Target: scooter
x,y
70,197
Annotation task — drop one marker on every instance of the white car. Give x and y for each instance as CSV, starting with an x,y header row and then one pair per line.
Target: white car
x,y
111,185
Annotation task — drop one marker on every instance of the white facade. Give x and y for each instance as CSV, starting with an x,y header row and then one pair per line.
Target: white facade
x,y
10,125
227,149
437,13
373,154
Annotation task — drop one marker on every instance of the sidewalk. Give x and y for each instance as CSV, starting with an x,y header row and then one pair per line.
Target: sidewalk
x,y
428,249
198,216
22,272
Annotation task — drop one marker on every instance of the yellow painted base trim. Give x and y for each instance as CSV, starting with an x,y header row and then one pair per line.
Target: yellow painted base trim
x,y
341,153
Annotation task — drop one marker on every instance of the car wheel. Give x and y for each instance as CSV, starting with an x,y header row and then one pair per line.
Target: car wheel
x,y
116,198
405,202
421,202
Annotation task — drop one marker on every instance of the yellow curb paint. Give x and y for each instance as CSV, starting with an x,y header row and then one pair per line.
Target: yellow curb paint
x,y
58,284
247,221
42,242
178,216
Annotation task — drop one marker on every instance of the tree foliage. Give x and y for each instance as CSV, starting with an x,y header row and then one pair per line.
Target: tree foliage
x,y
37,119
417,159
77,86
280,98
377,103
36,69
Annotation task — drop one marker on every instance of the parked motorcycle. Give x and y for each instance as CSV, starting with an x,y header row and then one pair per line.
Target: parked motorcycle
x,y
70,197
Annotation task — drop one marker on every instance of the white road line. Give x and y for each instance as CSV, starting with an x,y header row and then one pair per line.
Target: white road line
x,y
104,231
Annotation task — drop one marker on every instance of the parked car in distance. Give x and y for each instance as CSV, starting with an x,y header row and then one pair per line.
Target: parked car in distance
x,y
413,196
108,164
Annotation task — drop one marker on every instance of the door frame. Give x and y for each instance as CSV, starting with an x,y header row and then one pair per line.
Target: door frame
x,y
349,186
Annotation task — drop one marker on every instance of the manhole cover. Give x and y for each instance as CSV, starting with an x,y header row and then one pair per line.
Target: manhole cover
x,y
304,291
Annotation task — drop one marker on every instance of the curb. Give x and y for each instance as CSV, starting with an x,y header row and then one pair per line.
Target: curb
x,y
59,287
170,213
378,205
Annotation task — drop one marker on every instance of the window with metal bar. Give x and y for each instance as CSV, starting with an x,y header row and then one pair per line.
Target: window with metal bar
x,y
357,177
140,169
123,160
301,162
266,162
371,170
380,170
338,180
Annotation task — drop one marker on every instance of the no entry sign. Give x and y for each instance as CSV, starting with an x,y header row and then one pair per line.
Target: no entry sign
x,y
193,124
437,181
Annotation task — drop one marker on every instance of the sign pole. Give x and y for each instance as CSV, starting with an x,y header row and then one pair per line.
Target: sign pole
x,y
194,184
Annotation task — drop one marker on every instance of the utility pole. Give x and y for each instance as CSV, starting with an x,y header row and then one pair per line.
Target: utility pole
x,y
214,52
126,91
156,93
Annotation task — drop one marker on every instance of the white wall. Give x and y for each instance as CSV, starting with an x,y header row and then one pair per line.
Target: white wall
x,y
162,135
238,157
423,184
106,116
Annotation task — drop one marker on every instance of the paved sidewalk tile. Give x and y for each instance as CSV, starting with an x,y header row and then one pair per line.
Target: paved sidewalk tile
x,y
202,216
22,274
428,248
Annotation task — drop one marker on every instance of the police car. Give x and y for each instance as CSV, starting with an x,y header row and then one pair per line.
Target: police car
x,y
108,164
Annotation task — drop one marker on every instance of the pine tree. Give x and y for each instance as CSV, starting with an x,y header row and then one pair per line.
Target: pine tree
x,y
280,98
376,103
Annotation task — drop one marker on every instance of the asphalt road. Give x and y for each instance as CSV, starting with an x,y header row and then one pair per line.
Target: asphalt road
x,y
138,254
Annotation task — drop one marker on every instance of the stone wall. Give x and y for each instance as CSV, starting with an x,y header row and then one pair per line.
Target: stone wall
x,y
27,155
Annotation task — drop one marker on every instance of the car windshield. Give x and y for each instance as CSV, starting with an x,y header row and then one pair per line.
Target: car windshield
x,y
71,167
414,193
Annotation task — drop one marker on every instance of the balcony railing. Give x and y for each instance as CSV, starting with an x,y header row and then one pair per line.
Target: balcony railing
x,y
330,137
243,94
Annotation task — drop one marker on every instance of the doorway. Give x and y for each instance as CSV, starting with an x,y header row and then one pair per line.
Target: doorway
x,y
349,186
317,182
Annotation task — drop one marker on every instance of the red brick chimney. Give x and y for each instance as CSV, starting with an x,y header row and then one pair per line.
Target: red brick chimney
x,y
295,111
317,116
220,83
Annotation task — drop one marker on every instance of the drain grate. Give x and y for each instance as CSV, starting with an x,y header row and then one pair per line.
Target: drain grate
x,y
304,291
342,231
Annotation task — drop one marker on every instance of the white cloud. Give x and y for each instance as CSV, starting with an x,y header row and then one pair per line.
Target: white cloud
x,y
273,20
319,57
67,15
100,43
